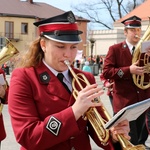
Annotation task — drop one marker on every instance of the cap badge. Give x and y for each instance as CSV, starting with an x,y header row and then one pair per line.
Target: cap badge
x,y
134,18
71,18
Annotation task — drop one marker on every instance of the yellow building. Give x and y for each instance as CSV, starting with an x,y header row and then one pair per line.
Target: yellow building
x,y
17,17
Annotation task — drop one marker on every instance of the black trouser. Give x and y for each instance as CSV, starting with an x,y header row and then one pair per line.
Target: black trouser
x,y
138,130
148,119
7,70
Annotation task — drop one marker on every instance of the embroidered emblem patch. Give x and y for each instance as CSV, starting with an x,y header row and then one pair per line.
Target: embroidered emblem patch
x,y
53,125
120,73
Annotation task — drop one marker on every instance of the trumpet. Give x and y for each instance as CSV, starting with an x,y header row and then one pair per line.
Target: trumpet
x,y
1,108
8,51
95,118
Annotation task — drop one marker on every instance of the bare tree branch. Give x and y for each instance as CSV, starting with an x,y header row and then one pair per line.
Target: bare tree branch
x,y
105,12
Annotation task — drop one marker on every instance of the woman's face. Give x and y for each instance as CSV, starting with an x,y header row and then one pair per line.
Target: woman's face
x,y
55,53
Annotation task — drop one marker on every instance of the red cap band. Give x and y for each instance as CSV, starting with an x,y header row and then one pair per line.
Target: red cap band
x,y
135,22
62,27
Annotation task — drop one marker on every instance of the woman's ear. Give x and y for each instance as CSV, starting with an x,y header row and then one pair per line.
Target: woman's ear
x,y
43,44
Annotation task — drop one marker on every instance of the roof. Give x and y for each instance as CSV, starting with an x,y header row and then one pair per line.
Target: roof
x,y
29,8
142,11
25,8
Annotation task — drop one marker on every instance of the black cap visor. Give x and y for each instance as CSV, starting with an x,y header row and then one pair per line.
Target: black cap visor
x,y
63,36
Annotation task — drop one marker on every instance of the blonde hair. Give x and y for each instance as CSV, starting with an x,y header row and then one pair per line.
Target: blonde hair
x,y
32,57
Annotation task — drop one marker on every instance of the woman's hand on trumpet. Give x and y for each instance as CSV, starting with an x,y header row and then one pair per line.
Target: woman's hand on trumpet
x,y
121,128
85,99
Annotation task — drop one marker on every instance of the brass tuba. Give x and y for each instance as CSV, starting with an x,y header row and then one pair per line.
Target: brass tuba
x,y
8,51
142,81
95,118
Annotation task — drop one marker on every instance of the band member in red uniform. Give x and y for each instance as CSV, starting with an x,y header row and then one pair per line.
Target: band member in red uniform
x,y
107,83
44,113
3,100
118,67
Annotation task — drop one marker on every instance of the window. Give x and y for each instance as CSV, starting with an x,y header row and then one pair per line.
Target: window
x,y
1,43
24,28
9,29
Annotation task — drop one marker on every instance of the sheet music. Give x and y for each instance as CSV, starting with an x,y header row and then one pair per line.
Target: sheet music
x,y
2,80
131,112
144,46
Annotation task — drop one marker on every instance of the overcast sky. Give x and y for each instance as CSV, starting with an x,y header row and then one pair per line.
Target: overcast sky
x,y
66,5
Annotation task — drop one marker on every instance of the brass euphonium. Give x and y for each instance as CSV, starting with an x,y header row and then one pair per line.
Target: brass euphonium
x,y
95,118
142,81
8,51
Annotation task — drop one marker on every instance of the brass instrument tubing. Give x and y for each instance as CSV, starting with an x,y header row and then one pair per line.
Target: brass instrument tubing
x,y
97,121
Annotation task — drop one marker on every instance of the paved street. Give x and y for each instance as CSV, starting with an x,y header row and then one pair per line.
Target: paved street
x,y
10,144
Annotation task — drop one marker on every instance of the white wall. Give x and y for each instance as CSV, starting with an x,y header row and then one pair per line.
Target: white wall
x,y
106,38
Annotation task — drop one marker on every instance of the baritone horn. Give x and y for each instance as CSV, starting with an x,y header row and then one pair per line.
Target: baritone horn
x,y
7,51
142,81
93,116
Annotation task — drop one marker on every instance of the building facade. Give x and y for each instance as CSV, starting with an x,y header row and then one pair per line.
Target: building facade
x,y
105,38
17,18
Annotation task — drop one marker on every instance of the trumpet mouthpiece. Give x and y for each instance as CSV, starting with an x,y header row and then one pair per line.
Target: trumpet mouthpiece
x,y
136,36
66,62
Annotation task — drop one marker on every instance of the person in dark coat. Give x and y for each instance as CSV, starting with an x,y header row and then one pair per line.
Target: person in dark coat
x,y
118,67
148,120
44,113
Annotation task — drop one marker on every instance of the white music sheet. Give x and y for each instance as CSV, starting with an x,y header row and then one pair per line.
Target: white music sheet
x,y
2,80
131,112
145,46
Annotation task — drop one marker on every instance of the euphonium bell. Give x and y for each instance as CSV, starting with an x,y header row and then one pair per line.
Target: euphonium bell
x,y
95,118
1,108
142,81
8,51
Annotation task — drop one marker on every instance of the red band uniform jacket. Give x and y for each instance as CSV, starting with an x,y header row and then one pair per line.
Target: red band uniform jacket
x,y
41,112
116,67
105,81
4,101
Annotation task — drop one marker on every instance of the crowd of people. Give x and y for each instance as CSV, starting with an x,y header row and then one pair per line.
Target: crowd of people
x,y
90,60
48,114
